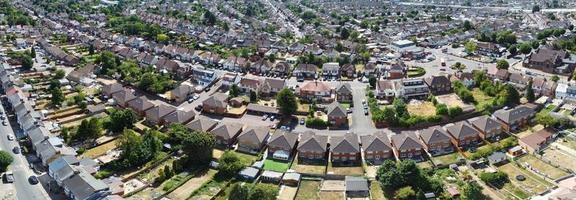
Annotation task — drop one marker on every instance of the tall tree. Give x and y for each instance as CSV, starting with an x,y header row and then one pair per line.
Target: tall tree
x,y
27,62
198,148
263,192
5,160
286,100
400,107
57,97
239,192
502,64
33,52
530,92
120,119
472,191
389,176
229,164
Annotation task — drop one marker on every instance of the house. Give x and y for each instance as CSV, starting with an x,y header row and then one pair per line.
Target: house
x,y
467,78
202,124
83,186
463,134
561,91
376,147
312,147
331,71
229,79
497,158
316,91
63,168
271,86
537,141
179,117
488,49
226,133
395,71
387,89
551,61
337,115
263,66
123,97
216,103
348,71
356,187
344,93
439,84
407,146
252,139
414,88
516,118
519,81
37,134
305,72
51,149
202,76
549,88
140,105
489,128
249,84
436,141
156,115
369,69
282,144
497,74
345,149
181,93
281,69
110,89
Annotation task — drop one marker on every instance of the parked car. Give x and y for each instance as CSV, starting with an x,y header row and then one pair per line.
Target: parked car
x,y
9,177
33,180
195,96
264,117
16,150
348,110
198,108
272,118
365,111
190,100
10,137
301,121
4,123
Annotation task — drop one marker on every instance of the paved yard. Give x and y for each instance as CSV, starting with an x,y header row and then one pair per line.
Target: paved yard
x,y
333,185
247,119
192,185
287,192
541,167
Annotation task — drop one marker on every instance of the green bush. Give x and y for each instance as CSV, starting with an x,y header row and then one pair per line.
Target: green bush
x,y
315,122
454,112
102,174
497,179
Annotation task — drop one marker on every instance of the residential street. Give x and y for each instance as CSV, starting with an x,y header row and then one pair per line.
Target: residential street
x,y
20,168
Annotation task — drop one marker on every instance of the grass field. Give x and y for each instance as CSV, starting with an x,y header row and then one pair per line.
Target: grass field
x,y
542,166
533,184
346,170
308,190
446,159
277,166
376,191
99,150
424,108
331,195
192,185
308,168
481,99
560,158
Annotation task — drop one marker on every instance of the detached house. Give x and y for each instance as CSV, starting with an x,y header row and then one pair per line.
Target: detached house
x,y
156,115
535,142
344,93
436,141
312,147
348,71
519,81
331,71
181,93
497,74
315,90
337,116
263,66
490,129
414,88
516,118
305,72
179,117
281,69
387,89
202,124
123,97
345,149
463,135
439,84
551,61
282,144
376,147
216,103
226,133
249,84
252,139
271,86
407,146
140,105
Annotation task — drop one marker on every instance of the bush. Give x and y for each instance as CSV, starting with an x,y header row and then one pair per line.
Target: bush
x,y
454,112
441,109
496,179
102,174
315,122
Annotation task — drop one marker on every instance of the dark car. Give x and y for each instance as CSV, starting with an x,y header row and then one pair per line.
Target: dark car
x,y
16,150
198,108
365,111
33,180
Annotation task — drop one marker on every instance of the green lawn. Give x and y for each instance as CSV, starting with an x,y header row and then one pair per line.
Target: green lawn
x,y
415,72
446,159
542,166
345,105
277,166
247,159
376,191
482,100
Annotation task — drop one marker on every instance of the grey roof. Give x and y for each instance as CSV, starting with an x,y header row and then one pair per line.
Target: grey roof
x,y
344,88
434,134
202,124
336,110
406,141
345,144
216,100
496,157
255,135
38,134
227,130
437,80
160,111
514,114
312,142
485,123
274,83
140,104
179,116
83,185
112,88
356,183
283,139
461,130
123,96
376,142
182,90
250,172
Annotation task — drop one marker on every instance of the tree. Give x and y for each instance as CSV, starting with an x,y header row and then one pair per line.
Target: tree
x,y
405,193
468,25
5,160
88,129
372,81
239,192
535,8
513,49
209,18
234,91
420,195
91,49
57,97
388,175
555,78
525,48
344,33
263,192
496,179
454,111
33,52
502,64
470,46
530,92
162,38
121,119
509,96
441,109
459,66
198,147
136,150
27,62
108,61
286,100
59,74
229,164
472,191
545,119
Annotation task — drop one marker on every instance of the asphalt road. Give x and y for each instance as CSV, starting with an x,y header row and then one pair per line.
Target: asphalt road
x,y
20,168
